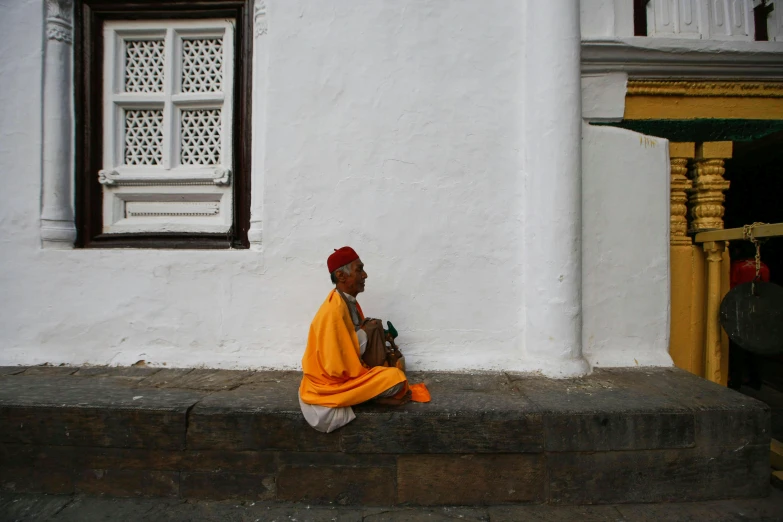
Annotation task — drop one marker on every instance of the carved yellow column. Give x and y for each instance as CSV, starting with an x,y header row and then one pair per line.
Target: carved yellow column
x,y
707,211
684,338
680,154
708,185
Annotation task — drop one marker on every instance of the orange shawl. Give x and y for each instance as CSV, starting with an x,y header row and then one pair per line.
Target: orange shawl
x,y
334,375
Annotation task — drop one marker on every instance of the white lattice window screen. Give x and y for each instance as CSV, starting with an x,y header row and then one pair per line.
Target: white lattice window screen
x,y
202,65
144,137
144,65
168,115
200,137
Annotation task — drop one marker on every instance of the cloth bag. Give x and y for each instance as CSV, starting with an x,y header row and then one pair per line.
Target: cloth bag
x,y
377,353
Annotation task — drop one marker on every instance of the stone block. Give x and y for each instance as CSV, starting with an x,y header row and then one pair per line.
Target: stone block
x,y
734,427
127,373
166,460
227,485
377,431
355,480
248,462
49,371
546,513
603,391
12,370
68,411
93,427
619,431
658,475
209,380
266,418
165,377
127,483
266,379
429,514
723,417
22,507
339,478
83,508
128,459
47,457
509,422
36,480
470,479
256,431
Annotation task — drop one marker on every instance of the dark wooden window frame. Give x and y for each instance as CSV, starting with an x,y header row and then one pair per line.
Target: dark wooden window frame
x,y
89,16
640,17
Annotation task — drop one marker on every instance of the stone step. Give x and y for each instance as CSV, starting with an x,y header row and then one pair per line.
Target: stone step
x,y
641,435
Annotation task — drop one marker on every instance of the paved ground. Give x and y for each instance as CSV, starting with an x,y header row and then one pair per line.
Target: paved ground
x,y
24,507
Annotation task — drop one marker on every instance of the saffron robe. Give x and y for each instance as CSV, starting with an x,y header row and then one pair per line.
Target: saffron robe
x,y
334,375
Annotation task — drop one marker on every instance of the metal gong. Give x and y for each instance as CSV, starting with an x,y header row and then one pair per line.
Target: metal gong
x,y
754,320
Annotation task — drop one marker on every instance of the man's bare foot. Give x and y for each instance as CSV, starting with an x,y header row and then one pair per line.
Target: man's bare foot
x,y
391,401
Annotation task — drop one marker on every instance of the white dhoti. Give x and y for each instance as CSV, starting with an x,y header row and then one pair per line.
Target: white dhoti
x,y
326,419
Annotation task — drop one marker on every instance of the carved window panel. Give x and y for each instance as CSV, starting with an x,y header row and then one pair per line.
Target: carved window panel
x,y
707,19
185,209
775,21
168,118
731,19
675,18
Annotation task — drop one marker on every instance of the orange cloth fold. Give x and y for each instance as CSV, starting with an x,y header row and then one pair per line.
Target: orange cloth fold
x,y
334,375
419,392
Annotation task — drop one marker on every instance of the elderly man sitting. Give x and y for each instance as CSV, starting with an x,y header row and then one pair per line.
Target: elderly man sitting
x,y
334,376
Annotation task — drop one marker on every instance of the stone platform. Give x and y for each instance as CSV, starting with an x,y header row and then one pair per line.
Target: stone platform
x,y
617,436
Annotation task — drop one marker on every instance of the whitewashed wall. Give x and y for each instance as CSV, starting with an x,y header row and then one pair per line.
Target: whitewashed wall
x,y
394,127
625,209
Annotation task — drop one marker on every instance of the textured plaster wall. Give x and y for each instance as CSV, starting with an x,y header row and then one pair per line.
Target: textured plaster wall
x,y
395,127
625,251
606,18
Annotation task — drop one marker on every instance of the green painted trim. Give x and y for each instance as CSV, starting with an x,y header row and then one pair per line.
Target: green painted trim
x,y
703,129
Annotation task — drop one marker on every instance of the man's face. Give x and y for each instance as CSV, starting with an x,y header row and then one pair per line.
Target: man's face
x,y
353,283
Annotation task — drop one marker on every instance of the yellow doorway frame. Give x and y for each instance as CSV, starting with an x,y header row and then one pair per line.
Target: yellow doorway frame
x,y
697,195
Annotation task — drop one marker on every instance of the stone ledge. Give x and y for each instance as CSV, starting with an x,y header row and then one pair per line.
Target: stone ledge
x,y
615,436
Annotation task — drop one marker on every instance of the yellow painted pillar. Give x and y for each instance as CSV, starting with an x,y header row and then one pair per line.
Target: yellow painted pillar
x,y
713,349
707,211
682,334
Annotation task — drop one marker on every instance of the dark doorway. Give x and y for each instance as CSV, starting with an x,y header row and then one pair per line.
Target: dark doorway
x,y
756,195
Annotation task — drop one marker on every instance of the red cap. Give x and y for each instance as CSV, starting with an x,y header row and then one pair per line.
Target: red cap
x,y
341,257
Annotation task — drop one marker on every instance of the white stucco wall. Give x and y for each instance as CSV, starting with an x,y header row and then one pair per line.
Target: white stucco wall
x,y
393,127
606,18
625,250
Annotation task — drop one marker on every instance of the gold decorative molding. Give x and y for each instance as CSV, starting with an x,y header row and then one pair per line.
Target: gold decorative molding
x,y
680,185
688,100
691,88
707,194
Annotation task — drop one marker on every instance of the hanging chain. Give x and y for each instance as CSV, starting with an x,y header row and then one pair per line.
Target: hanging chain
x,y
747,233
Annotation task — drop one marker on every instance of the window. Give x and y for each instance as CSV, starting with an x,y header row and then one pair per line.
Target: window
x,y
163,93
745,20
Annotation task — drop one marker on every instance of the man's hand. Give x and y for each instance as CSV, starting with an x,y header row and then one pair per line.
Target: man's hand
x,y
370,320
